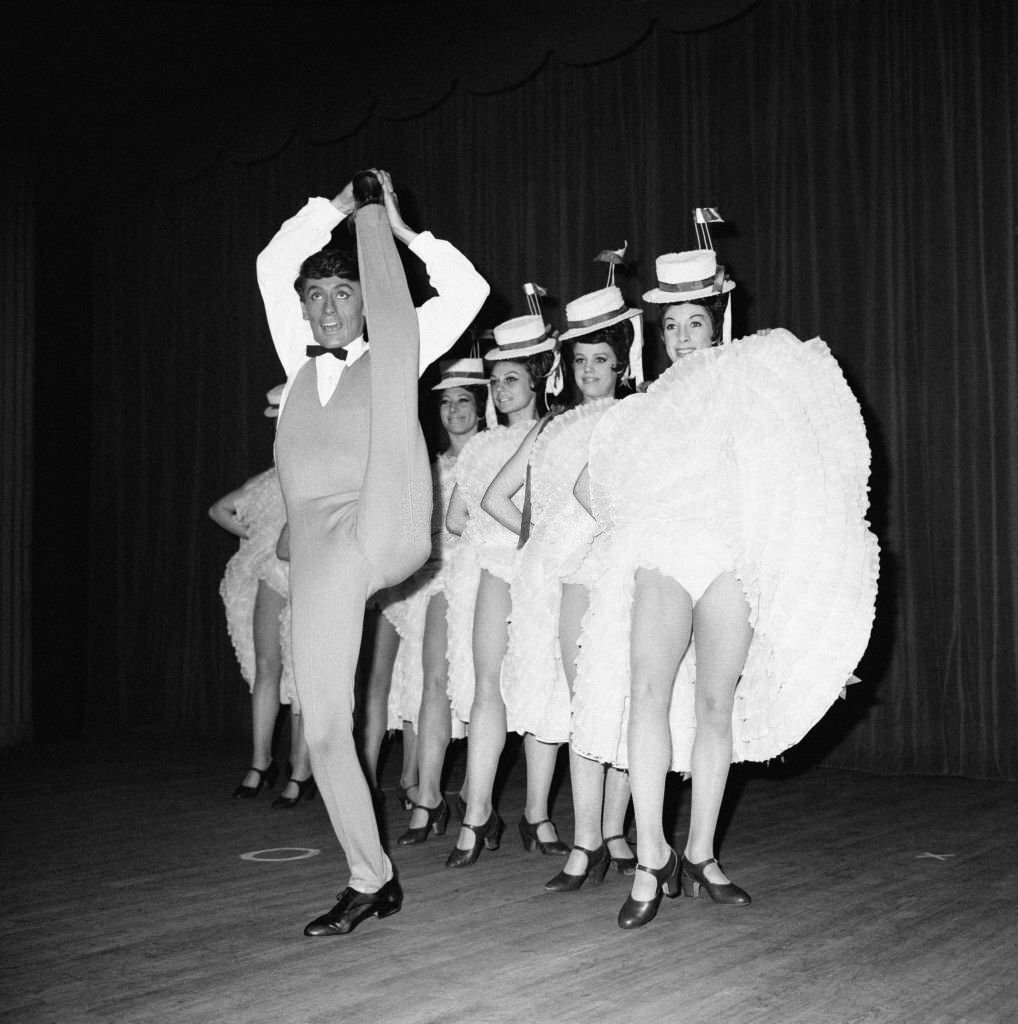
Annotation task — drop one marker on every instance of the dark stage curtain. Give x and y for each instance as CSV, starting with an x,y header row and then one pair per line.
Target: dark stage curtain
x,y
17,369
864,155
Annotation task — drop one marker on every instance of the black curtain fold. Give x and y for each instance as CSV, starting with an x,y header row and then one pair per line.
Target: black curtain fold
x,y
864,157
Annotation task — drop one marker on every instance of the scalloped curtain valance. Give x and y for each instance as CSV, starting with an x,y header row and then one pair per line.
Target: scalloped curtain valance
x,y
175,87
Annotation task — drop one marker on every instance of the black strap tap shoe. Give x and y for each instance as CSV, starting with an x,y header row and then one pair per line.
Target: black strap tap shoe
x,y
306,790
266,777
529,838
636,913
487,835
597,864
438,821
695,883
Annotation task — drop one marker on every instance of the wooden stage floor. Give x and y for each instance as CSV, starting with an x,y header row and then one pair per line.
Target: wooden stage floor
x,y
128,898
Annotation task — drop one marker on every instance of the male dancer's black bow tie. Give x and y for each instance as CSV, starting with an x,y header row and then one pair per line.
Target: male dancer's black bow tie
x,y
319,350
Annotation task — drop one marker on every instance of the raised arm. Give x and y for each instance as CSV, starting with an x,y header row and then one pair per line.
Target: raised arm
x,y
498,498
461,289
581,490
458,514
279,263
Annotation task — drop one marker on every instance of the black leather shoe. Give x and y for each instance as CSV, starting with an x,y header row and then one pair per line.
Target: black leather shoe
x,y
694,882
438,821
636,913
353,907
266,777
623,865
306,790
487,835
528,836
597,865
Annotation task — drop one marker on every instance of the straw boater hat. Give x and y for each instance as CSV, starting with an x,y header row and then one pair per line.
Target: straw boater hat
x,y
695,274
521,337
688,275
604,308
595,311
461,373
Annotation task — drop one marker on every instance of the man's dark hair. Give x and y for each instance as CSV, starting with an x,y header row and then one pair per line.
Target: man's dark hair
x,y
327,263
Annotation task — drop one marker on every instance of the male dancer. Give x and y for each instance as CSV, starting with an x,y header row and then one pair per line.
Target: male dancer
x,y
354,473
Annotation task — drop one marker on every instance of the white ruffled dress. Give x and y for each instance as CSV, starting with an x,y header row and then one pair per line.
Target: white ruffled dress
x,y
260,508
752,458
559,549
485,544
407,606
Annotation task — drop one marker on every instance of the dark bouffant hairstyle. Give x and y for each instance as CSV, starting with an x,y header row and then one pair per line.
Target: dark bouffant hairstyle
x,y
327,263
538,367
715,306
619,336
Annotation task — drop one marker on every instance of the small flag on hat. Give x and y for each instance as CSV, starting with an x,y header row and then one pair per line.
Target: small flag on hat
x,y
534,292
613,257
702,217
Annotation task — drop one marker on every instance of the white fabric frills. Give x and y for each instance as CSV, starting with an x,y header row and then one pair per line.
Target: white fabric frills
x,y
485,544
534,682
406,606
757,449
260,508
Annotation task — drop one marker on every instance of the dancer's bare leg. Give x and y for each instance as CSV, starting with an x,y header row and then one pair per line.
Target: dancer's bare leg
x,y
541,759
434,723
617,793
300,759
586,777
723,634
268,670
409,773
487,713
376,695
662,625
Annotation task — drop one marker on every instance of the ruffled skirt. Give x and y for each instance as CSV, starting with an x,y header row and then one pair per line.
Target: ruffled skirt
x,y
759,450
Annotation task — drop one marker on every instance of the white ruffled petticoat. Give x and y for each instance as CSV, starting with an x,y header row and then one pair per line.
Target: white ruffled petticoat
x,y
485,544
753,458
260,508
534,682
406,606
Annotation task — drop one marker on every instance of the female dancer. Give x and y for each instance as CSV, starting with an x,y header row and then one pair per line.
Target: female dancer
x,y
255,589
478,594
553,573
419,697
735,493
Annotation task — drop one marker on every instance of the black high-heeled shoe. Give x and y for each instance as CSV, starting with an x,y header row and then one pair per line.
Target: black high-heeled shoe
x,y
438,821
623,865
529,838
636,913
461,807
266,777
694,881
489,835
597,864
306,789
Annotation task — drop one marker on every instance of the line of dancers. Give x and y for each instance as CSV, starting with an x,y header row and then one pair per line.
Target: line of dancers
x,y
673,577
